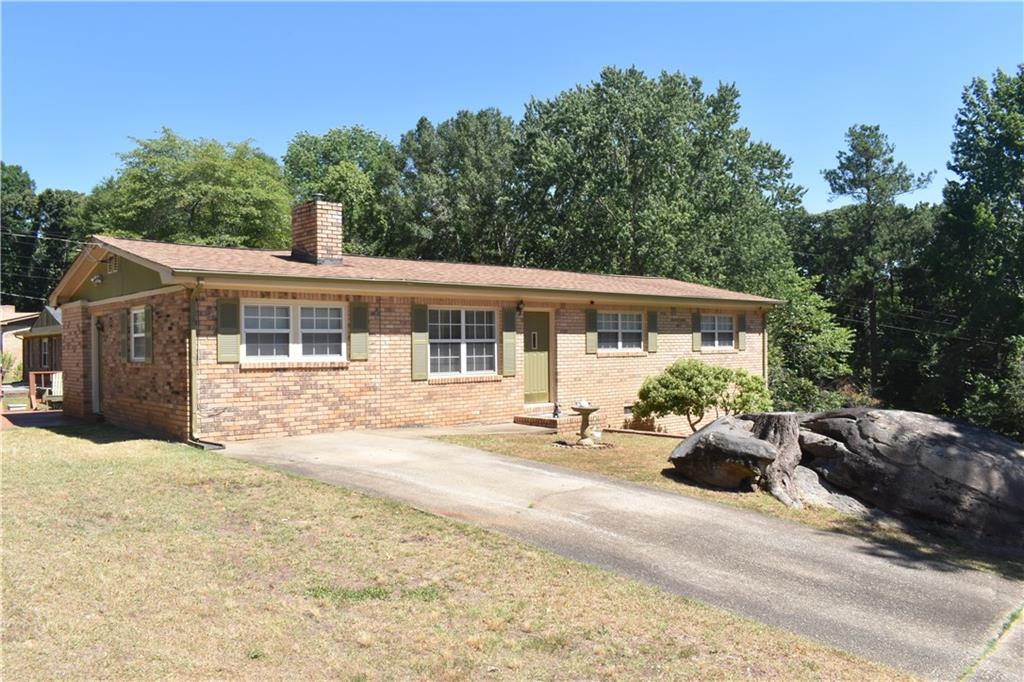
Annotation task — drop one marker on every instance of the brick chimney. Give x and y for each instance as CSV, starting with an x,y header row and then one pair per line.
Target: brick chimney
x,y
316,231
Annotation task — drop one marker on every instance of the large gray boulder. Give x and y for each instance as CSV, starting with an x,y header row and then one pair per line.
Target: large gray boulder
x,y
920,466
758,452
724,454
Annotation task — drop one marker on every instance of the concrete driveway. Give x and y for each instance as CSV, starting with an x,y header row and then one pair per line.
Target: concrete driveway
x,y
925,617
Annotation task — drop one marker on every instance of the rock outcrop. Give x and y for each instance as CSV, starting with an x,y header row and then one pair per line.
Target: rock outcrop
x,y
911,465
920,466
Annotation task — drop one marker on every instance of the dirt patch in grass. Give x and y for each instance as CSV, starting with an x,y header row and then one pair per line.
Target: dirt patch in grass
x,y
128,558
644,459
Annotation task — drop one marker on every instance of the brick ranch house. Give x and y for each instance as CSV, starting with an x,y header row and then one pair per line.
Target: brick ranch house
x,y
220,344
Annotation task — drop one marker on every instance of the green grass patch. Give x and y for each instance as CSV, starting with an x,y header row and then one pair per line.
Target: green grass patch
x,y
343,595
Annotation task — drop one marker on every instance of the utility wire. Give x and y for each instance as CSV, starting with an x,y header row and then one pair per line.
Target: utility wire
x,y
919,331
34,298
34,237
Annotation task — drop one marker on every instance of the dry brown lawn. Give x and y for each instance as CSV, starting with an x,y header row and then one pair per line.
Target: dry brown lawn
x,y
644,459
127,558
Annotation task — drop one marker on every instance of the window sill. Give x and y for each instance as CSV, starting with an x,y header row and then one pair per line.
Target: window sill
x,y
294,364
718,351
621,353
465,379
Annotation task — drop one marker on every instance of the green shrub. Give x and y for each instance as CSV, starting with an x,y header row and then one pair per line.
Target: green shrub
x,y
11,373
692,389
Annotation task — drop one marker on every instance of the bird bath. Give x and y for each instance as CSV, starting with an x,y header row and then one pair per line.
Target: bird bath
x,y
585,409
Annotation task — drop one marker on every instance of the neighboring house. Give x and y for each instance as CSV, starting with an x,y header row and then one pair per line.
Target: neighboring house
x,y
42,343
198,342
11,324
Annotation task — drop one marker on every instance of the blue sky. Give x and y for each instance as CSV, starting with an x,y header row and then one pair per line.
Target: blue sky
x,y
79,80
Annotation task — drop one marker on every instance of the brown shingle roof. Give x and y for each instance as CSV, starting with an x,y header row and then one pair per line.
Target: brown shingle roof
x,y
186,258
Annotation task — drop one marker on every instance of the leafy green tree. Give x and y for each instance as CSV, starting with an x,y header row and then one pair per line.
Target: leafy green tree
x,y
808,348
877,236
973,269
17,236
196,191
460,186
641,175
58,222
362,170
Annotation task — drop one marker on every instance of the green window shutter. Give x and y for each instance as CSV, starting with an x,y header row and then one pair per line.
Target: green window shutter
x,y
420,343
359,332
696,332
125,338
228,338
149,333
741,332
508,342
591,330
652,331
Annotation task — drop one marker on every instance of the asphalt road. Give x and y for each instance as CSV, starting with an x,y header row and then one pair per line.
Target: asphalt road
x,y
923,616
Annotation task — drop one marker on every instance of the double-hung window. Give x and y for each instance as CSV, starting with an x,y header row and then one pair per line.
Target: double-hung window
x,y
293,331
717,331
320,329
462,341
620,331
267,331
44,352
138,334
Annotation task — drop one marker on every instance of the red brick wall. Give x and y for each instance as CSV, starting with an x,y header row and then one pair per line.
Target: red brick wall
x,y
147,396
613,379
76,360
239,401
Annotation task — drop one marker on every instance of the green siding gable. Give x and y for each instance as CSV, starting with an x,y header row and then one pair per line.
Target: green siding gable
x,y
130,278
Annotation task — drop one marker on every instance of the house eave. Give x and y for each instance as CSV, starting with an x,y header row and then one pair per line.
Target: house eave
x,y
265,282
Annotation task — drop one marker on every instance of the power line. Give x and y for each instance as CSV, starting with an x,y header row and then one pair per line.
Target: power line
x,y
919,331
34,298
34,237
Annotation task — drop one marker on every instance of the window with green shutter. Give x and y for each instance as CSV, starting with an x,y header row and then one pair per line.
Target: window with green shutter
x,y
228,341
652,331
508,342
420,343
591,331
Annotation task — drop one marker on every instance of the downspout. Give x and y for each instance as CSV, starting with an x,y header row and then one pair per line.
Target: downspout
x,y
764,343
193,362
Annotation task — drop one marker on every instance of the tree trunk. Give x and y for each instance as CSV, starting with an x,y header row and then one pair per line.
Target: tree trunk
x,y
781,429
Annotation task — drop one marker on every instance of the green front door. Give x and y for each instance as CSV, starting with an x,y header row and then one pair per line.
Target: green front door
x,y
537,342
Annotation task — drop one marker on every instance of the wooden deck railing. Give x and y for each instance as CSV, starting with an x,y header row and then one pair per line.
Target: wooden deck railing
x,y
36,382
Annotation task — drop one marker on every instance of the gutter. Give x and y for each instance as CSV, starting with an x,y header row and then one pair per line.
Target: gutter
x,y
193,361
402,287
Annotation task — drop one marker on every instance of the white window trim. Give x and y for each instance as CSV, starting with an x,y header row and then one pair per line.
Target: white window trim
x,y
618,332
44,353
717,346
462,343
138,310
294,333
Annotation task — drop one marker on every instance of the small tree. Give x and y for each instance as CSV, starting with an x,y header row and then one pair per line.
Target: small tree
x,y
691,388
